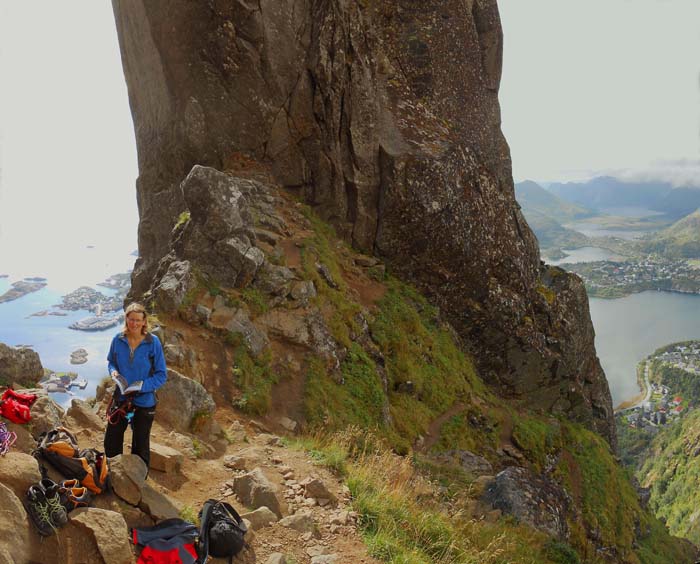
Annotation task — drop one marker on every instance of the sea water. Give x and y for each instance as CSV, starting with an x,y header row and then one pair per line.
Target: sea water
x,y
49,335
629,329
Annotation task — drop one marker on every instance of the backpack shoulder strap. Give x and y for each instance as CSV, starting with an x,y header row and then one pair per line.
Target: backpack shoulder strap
x,y
203,546
236,517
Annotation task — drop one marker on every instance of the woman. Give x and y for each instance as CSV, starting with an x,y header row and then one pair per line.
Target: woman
x,y
136,360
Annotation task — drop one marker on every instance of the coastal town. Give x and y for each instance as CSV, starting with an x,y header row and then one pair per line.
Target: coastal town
x,y
613,279
661,406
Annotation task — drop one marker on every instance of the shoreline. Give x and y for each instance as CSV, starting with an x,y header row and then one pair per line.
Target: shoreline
x,y
641,396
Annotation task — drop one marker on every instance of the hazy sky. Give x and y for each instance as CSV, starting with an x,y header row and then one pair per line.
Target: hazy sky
x,y
67,148
601,84
587,87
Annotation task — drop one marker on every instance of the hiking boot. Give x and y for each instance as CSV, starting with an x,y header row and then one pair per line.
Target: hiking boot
x,y
57,512
68,484
38,508
72,498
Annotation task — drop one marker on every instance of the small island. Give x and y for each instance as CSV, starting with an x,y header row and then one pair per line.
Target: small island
x,y
96,323
90,299
22,288
79,356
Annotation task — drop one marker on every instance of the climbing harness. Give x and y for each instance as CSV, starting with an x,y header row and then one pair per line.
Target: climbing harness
x,y
7,439
116,411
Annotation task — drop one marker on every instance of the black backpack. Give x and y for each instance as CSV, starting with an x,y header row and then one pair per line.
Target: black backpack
x,y
221,531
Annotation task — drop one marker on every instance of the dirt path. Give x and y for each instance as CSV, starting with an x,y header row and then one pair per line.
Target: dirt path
x,y
433,434
202,479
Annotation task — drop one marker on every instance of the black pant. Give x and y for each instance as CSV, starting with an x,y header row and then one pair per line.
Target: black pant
x,y
141,440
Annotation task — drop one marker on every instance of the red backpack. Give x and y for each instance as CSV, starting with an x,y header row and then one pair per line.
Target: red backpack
x,y
16,407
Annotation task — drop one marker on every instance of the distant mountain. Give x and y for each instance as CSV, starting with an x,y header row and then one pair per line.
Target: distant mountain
x,y
681,240
532,197
550,233
608,192
680,202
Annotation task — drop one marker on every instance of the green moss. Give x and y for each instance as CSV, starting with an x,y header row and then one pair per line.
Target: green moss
x,y
183,218
548,294
189,513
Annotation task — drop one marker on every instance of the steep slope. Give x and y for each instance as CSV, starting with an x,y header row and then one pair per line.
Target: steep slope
x,y
533,198
322,340
670,469
385,118
681,240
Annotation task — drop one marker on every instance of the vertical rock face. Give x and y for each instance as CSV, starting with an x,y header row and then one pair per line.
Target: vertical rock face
x,y
384,116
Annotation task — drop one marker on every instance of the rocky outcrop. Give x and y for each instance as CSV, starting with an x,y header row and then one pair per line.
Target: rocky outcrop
x,y
536,500
184,404
385,118
21,366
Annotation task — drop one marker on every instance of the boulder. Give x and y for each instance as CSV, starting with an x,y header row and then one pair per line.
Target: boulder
x,y
85,416
18,471
237,321
242,260
261,517
315,488
302,292
109,531
288,424
245,459
157,505
533,499
277,558
46,414
274,280
255,490
14,533
202,313
165,459
22,366
302,522
289,325
473,464
127,474
182,402
174,286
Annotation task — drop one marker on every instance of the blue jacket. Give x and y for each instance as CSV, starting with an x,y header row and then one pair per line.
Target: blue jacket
x,y
147,365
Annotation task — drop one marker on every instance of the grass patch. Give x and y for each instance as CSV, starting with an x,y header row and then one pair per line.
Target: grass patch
x,y
536,437
256,300
400,516
254,377
189,513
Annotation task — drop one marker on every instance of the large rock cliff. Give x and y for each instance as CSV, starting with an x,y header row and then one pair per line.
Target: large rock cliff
x,y
384,116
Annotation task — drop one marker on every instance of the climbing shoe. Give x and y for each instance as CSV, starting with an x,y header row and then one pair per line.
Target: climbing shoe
x,y
38,508
58,514
74,497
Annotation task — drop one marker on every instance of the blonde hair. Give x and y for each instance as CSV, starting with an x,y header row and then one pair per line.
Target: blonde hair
x,y
136,308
